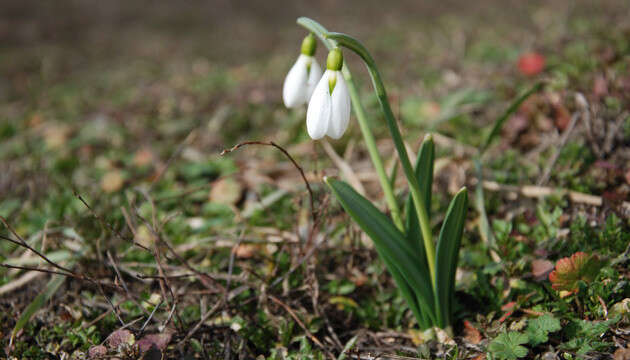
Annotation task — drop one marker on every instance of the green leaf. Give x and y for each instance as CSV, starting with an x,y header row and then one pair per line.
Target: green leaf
x,y
538,329
39,301
485,230
507,346
391,245
447,255
349,345
498,124
424,173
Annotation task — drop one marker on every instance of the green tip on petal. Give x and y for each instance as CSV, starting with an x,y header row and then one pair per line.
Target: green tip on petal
x,y
309,45
332,81
428,137
335,60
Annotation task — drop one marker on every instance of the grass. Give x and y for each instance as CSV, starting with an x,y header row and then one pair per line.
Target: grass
x,y
135,128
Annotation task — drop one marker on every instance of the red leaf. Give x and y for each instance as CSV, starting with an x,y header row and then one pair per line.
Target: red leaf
x,y
571,270
471,334
530,64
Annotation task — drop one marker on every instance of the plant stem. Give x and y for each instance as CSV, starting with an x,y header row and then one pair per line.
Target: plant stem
x,y
423,218
368,137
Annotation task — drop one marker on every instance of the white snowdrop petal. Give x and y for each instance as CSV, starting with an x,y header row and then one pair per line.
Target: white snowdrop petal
x,y
313,78
319,110
294,88
340,108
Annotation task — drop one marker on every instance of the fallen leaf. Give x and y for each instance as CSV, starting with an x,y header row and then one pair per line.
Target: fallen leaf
x,y
245,251
226,191
471,334
541,268
112,181
622,354
160,341
56,135
143,157
530,64
562,118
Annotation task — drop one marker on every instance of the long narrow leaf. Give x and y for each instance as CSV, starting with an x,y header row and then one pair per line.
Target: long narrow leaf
x,y
39,301
484,223
447,254
498,124
424,173
389,241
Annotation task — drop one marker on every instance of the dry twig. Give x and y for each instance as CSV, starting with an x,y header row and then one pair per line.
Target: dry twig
x,y
286,153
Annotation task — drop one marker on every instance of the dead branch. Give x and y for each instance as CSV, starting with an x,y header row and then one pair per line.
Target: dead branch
x,y
286,153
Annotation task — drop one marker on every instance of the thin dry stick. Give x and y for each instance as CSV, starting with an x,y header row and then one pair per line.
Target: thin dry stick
x,y
286,153
42,256
129,294
151,316
106,224
28,268
170,248
542,191
212,311
114,308
563,140
19,282
301,324
65,271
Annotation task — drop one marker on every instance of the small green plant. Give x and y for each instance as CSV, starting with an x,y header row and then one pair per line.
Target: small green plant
x,y
508,346
424,272
538,329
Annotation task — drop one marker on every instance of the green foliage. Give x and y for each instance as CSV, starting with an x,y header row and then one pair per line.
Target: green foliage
x,y
400,252
585,336
609,239
538,329
508,346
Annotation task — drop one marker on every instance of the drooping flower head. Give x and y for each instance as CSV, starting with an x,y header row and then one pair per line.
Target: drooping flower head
x,y
303,76
329,108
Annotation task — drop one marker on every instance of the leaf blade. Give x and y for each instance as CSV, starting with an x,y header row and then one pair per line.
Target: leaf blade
x,y
424,173
498,124
447,254
398,255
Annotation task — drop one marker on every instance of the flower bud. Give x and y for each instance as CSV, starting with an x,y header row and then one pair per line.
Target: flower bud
x,y
334,61
309,45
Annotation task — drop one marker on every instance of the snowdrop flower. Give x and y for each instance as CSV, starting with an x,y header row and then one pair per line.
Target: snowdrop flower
x,y
329,109
303,76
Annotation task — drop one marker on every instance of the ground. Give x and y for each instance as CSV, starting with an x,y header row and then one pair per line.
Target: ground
x,y
113,117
